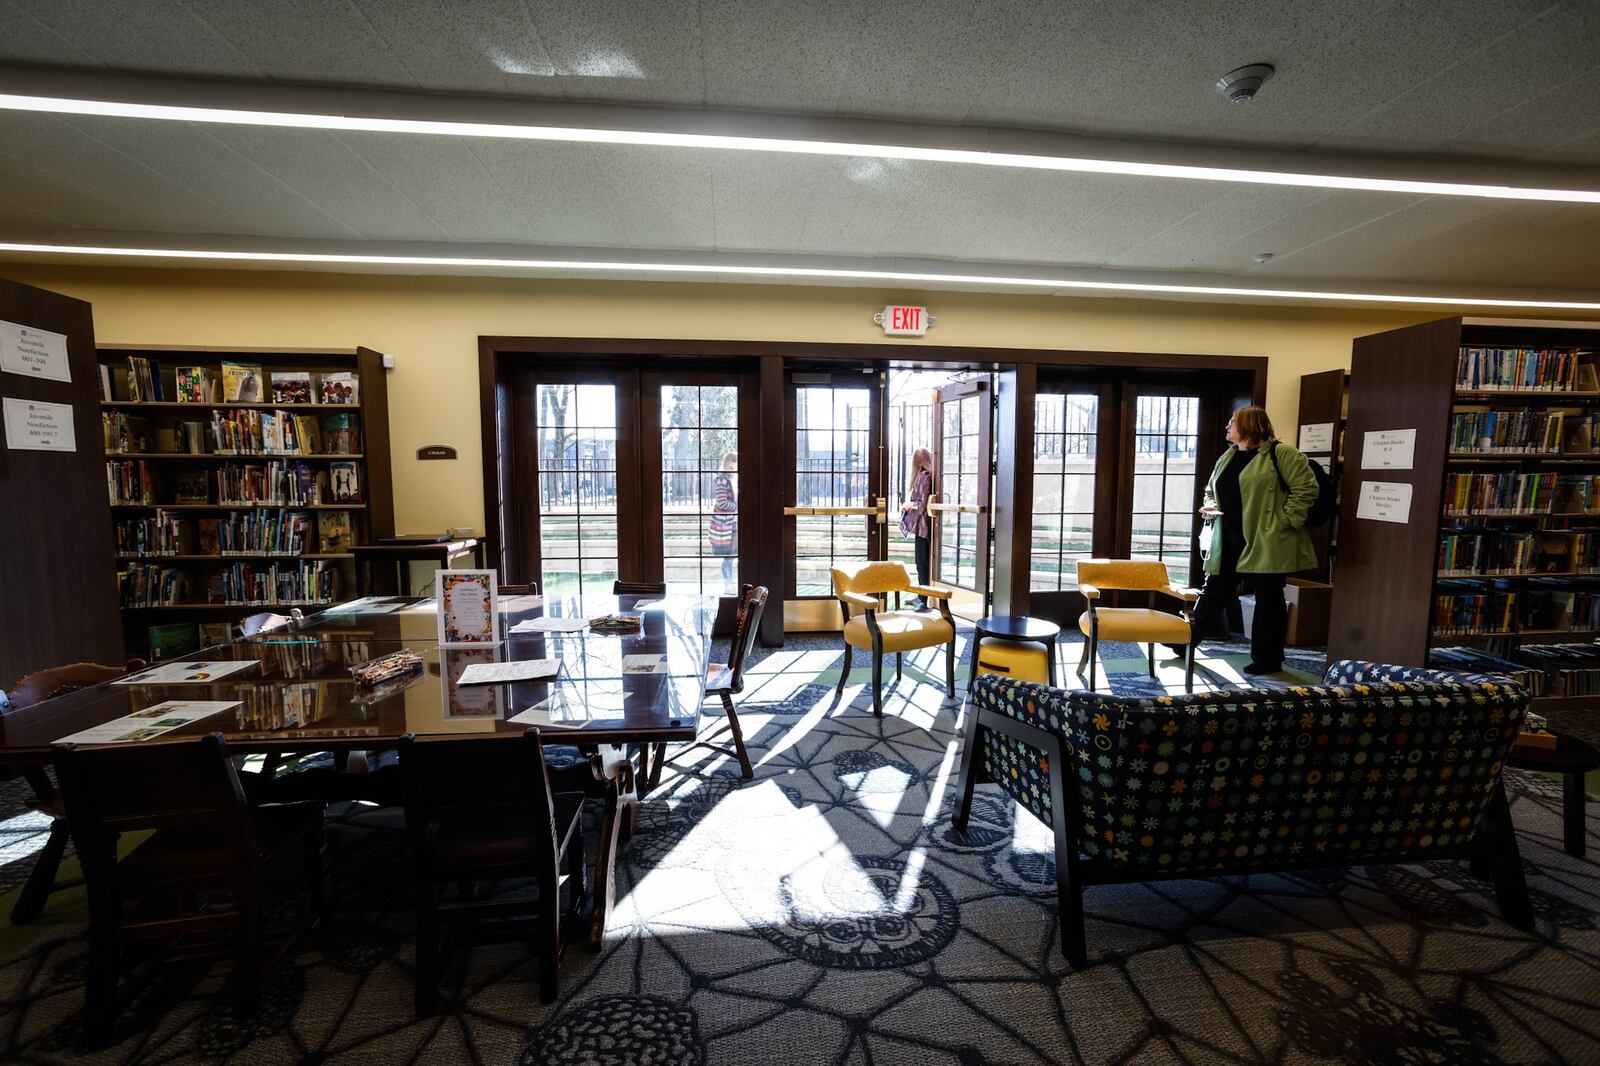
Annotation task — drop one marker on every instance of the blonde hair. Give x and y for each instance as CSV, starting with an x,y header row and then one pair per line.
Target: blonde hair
x,y
921,459
1253,425
730,461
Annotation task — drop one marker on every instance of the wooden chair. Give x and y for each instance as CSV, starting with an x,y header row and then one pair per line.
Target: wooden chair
x,y
726,680
479,808
35,688
864,587
1139,625
267,622
638,588
204,838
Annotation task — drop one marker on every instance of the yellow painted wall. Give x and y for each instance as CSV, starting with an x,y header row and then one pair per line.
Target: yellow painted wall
x,y
431,326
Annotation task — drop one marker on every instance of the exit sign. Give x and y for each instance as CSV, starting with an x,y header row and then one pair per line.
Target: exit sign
x,y
903,321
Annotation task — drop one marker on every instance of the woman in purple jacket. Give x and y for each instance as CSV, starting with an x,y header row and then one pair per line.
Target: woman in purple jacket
x,y
914,520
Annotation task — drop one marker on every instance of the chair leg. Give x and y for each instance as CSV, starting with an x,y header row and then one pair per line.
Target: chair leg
x,y
877,684
969,772
1074,944
550,935
657,764
899,665
100,1007
1152,660
1093,651
427,970
844,671
42,879
314,845
1496,847
745,768
1188,667
247,948
950,667
1083,661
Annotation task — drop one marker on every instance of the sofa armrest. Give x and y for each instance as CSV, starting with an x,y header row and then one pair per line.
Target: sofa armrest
x,y
1361,672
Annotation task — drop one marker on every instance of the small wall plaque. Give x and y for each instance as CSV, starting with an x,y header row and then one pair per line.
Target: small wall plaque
x,y
436,451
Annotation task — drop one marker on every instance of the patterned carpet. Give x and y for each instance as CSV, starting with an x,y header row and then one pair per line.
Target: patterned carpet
x,y
824,912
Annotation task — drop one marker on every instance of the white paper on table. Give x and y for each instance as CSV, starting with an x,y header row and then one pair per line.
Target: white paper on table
x,y
506,673
151,722
561,707
1316,438
369,604
33,353
550,625
189,672
644,664
648,605
1388,449
1385,501
37,426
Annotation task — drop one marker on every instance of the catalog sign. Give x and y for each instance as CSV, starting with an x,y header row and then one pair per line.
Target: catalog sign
x,y
903,321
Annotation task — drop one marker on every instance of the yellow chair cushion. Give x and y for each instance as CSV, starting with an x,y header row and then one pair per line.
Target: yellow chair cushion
x,y
1013,658
1134,574
1142,625
902,631
870,579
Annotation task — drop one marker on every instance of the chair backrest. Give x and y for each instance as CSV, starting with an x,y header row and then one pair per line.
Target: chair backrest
x,y
1134,575
477,777
870,579
747,622
111,789
266,622
530,589
638,588
42,685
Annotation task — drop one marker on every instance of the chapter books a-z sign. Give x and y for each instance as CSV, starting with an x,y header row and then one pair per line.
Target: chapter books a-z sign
x,y
469,614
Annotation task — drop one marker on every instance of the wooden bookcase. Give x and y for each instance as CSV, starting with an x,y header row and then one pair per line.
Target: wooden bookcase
x,y
1387,582
1324,399
174,470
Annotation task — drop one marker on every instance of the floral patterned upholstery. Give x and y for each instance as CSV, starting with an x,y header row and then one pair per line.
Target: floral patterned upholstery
x,y
1375,762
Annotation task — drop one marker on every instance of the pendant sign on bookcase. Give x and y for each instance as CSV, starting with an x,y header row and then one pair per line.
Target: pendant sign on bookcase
x,y
33,353
903,321
36,426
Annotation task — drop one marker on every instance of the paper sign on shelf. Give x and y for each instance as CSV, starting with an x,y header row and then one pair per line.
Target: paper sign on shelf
x,y
36,426
1316,438
1385,501
1388,449
33,353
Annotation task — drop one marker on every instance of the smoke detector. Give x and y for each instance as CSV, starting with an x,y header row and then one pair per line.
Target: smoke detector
x,y
1262,257
1240,86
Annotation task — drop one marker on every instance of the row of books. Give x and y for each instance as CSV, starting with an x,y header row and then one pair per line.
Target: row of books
x,y
277,482
151,585
130,481
1474,613
143,381
125,433
1568,669
1522,432
1501,494
1554,606
1478,661
1519,368
248,431
259,532
1488,552
311,581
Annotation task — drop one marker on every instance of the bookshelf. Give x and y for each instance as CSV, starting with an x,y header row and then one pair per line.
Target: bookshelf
x,y
1325,400
1497,565
221,507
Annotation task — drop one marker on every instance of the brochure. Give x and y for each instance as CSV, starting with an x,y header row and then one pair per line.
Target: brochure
x,y
507,673
150,723
551,625
644,664
189,672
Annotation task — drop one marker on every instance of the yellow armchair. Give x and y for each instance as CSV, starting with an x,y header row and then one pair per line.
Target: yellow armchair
x,y
1138,625
863,589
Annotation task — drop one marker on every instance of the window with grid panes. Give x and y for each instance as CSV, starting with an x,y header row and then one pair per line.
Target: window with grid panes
x,y
577,488
832,451
1066,427
1166,441
699,493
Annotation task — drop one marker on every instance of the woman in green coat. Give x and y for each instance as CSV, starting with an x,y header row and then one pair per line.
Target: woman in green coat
x,y
1257,533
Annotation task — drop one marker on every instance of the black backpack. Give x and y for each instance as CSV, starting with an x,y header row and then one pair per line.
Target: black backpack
x,y
1326,504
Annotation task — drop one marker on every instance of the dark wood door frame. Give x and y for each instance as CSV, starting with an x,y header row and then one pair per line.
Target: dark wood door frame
x,y
500,356
984,393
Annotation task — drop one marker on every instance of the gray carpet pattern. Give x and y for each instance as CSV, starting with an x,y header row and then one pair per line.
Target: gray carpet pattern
x,y
825,912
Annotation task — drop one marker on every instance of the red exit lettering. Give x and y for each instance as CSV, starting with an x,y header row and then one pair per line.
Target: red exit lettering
x,y
907,318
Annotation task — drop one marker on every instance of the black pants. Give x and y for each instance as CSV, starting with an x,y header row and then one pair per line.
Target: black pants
x,y
1268,629
922,560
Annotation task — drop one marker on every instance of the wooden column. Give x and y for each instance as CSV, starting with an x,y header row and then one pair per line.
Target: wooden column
x,y
58,594
1013,487
771,562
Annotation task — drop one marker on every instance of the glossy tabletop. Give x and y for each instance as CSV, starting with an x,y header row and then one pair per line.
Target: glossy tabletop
x,y
298,694
1017,627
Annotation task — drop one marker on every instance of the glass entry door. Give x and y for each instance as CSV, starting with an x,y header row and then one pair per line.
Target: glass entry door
x,y
835,514
963,459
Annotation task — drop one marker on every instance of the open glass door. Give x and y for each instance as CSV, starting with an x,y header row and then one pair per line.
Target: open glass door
x,y
963,458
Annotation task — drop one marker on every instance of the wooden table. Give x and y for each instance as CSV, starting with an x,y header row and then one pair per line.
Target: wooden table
x,y
298,696
1572,759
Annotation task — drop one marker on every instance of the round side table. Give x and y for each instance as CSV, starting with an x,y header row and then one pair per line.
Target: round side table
x,y
1016,627
1571,758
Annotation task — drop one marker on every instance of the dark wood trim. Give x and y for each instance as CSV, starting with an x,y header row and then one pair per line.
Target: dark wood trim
x,y
499,508
375,436
1322,400
771,446
57,570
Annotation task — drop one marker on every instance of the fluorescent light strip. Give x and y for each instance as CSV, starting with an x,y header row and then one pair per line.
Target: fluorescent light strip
x,y
446,128
601,266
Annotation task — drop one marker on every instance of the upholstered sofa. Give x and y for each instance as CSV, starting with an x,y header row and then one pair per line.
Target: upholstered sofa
x,y
1378,764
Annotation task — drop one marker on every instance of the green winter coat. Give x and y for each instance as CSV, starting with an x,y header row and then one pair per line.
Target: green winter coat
x,y
1275,539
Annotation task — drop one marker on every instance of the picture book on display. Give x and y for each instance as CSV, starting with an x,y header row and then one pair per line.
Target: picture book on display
x,y
241,383
196,384
333,531
291,386
342,387
345,481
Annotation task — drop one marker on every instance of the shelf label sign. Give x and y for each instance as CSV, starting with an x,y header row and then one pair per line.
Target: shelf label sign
x,y
36,426
1385,501
1389,449
33,353
1316,438
903,321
